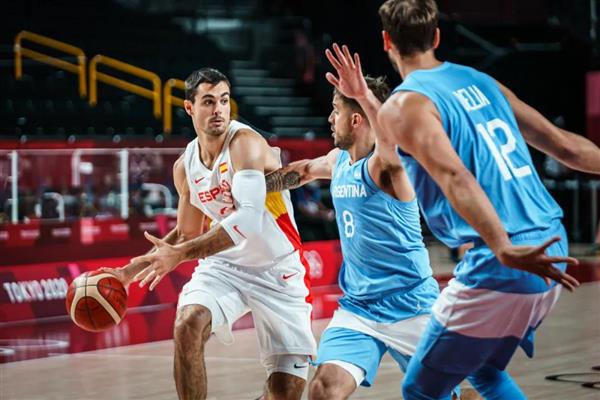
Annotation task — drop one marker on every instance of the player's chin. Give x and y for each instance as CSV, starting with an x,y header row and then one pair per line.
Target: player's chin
x,y
216,130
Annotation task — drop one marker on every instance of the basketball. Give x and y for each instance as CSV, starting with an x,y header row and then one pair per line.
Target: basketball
x,y
96,301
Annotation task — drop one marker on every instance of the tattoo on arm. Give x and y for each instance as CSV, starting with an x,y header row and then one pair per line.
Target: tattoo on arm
x,y
280,180
212,242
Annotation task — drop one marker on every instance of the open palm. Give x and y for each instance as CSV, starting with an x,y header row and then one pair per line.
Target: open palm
x,y
164,259
535,260
349,80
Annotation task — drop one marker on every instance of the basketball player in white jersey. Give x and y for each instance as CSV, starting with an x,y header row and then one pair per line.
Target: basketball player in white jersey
x,y
250,259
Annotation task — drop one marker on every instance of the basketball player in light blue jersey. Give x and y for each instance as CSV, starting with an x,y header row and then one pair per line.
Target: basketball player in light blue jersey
x,y
385,275
463,139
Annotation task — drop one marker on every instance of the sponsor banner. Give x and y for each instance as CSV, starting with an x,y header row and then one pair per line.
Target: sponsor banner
x,y
86,231
36,291
39,290
84,238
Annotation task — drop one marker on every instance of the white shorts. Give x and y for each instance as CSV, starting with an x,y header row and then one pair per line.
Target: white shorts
x,y
471,327
276,296
357,344
401,336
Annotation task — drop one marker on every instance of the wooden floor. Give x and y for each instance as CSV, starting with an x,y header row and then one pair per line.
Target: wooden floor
x,y
568,342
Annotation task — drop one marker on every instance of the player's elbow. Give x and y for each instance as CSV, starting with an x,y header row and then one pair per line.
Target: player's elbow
x,y
249,191
252,218
383,121
567,152
243,224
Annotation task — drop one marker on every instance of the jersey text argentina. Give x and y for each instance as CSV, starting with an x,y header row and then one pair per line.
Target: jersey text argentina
x,y
385,274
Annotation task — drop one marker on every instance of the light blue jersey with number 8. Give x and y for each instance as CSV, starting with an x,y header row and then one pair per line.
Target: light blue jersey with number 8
x,y
482,128
385,273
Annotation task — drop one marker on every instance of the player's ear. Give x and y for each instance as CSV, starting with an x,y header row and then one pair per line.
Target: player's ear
x,y
436,38
188,106
387,41
356,120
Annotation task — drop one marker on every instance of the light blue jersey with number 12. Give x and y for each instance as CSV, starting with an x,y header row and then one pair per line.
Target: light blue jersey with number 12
x,y
482,129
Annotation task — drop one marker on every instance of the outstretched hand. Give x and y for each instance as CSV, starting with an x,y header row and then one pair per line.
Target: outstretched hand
x,y
535,260
349,80
164,259
120,273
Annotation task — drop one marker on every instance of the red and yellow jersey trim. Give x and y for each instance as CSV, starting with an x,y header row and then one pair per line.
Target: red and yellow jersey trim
x,y
275,204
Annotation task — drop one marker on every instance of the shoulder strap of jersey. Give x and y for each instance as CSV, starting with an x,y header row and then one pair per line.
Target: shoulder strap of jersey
x,y
191,152
342,155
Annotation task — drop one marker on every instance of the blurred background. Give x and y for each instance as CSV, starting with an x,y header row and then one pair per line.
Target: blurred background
x,y
91,118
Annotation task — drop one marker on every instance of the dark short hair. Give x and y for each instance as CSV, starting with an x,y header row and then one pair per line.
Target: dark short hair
x,y
377,85
410,23
203,75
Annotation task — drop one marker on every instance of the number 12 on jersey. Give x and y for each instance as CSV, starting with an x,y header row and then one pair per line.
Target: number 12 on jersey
x,y
502,157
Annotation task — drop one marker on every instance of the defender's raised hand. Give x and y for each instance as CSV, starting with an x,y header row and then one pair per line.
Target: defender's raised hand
x,y
349,80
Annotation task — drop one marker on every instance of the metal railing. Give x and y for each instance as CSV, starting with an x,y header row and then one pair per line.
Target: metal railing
x,y
21,52
84,169
157,187
169,100
162,106
96,76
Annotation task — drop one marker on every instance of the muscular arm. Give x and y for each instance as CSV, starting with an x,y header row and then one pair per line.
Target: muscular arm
x,y
412,121
385,166
248,152
190,222
575,151
300,172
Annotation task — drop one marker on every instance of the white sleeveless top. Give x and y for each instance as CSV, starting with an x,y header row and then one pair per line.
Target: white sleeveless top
x,y
210,191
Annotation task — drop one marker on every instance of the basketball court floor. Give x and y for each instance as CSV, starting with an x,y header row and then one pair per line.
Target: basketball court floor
x,y
568,347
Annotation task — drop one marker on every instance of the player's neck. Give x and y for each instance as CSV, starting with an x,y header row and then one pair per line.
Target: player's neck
x,y
363,145
426,60
210,147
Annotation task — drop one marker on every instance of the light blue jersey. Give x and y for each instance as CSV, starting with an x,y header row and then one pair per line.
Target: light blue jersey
x,y
385,274
483,130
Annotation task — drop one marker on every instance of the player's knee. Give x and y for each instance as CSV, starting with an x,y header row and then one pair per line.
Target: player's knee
x,y
321,389
411,389
192,323
491,382
316,389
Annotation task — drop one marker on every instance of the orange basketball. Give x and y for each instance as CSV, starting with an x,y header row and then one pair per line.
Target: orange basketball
x,y
96,301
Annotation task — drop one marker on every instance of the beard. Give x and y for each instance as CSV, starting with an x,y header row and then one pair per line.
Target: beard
x,y
216,131
343,142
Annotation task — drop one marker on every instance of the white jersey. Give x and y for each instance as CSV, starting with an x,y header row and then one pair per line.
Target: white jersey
x,y
210,191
